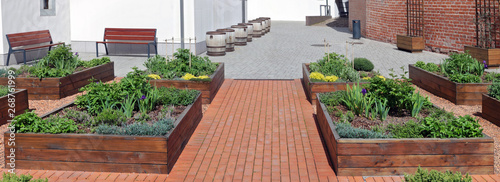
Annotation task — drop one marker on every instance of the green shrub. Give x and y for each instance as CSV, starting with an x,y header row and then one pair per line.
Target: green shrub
x,y
29,122
159,128
494,89
10,177
465,78
335,64
491,76
332,98
179,66
423,175
4,90
111,117
461,127
177,97
410,129
94,62
363,64
345,130
431,67
398,93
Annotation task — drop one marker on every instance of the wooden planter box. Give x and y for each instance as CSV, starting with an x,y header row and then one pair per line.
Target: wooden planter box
x,y
411,44
208,89
312,88
491,109
105,153
458,93
21,105
491,56
57,88
381,157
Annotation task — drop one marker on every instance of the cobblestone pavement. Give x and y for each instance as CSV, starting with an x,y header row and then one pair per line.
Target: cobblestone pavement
x,y
280,53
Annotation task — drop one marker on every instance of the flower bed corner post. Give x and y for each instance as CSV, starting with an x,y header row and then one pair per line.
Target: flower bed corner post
x,y
414,40
487,42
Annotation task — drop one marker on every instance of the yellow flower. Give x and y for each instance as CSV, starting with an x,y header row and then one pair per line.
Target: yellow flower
x,y
154,76
366,78
332,78
380,76
317,76
188,76
202,77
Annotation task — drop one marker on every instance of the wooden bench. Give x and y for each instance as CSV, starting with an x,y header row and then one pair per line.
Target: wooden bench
x,y
128,36
21,42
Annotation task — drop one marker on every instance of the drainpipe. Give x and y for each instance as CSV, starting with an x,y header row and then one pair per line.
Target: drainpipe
x,y
327,9
243,8
182,24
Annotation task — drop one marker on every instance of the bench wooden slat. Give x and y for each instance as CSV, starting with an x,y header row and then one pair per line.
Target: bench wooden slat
x,y
130,29
31,42
113,37
117,42
28,37
28,33
136,33
42,46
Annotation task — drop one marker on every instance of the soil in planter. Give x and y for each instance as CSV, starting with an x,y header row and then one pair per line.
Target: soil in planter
x,y
365,123
154,115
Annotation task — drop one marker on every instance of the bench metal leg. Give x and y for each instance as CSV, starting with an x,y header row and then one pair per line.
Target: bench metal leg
x,y
148,50
8,57
106,46
156,49
96,49
24,55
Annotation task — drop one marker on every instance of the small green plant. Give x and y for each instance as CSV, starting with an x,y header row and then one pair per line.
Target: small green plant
x,y
10,177
335,64
29,122
363,64
465,78
177,97
410,129
463,68
4,90
94,62
491,76
178,67
111,117
417,103
494,89
431,67
381,110
461,127
423,175
332,98
345,130
355,99
158,128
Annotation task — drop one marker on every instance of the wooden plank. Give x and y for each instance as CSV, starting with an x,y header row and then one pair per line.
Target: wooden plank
x,y
491,56
31,42
139,38
415,160
328,133
401,170
413,44
28,37
136,33
426,148
89,142
473,87
21,104
122,157
87,166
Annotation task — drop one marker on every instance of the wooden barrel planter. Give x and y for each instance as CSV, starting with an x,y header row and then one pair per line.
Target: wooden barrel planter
x,y
104,153
268,23
240,34
20,103
208,89
382,157
490,109
216,43
312,88
249,30
264,26
257,28
458,93
57,88
229,38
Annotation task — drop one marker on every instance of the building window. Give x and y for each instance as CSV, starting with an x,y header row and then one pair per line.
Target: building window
x,y
47,7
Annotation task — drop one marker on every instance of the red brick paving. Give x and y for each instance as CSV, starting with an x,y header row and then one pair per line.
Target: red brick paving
x,y
254,130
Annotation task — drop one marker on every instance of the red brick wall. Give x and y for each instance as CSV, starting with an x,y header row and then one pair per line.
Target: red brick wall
x,y
358,14
448,23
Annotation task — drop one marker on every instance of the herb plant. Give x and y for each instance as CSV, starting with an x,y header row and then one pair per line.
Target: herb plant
x,y
494,89
4,90
10,177
180,65
334,64
423,175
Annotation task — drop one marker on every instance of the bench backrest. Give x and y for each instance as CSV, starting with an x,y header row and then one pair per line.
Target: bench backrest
x,y
129,34
29,38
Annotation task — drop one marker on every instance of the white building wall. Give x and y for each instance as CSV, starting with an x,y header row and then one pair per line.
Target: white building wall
x,y
24,15
288,10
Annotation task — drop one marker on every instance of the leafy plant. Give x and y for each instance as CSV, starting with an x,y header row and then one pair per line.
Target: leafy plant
x,y
4,90
417,103
94,62
494,89
461,127
29,122
465,78
11,177
335,64
345,130
410,129
431,67
381,110
363,64
148,102
178,67
462,64
423,175
177,97
355,99
111,117
332,98
158,128
491,76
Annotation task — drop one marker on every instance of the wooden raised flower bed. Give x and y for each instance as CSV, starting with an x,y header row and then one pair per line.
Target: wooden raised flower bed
x,y
380,157
21,105
208,89
312,88
57,88
410,43
458,93
490,109
105,153
491,56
